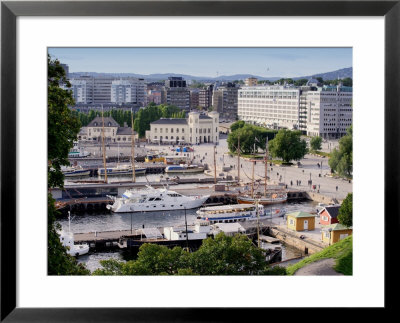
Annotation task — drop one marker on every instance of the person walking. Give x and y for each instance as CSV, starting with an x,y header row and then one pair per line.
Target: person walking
x,y
336,188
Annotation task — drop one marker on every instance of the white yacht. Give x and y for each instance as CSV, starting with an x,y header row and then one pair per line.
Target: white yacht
x,y
152,199
237,213
67,240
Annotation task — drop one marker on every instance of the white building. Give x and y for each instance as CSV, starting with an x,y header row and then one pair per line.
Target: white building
x,y
271,106
112,131
317,111
104,89
79,91
196,129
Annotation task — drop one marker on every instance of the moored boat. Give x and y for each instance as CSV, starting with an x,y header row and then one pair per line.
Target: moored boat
x,y
67,240
77,152
237,213
273,197
71,171
121,170
152,199
184,169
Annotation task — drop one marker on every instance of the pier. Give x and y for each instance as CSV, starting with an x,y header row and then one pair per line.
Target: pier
x,y
119,238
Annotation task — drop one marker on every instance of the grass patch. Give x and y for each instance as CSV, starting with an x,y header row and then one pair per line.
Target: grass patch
x,y
320,153
342,251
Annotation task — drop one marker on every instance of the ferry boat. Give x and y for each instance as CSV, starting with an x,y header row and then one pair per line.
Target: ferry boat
x,y
152,199
237,213
184,169
77,152
71,171
121,170
271,197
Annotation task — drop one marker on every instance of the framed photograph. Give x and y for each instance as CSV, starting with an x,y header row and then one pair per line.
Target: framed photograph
x,y
30,30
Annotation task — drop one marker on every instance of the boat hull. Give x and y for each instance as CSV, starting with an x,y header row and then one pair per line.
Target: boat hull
x,y
184,171
77,173
120,207
249,200
125,172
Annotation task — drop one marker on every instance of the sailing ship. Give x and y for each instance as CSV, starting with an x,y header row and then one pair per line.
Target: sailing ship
x,y
270,196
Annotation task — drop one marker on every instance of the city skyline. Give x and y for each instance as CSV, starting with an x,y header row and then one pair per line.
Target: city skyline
x,y
206,62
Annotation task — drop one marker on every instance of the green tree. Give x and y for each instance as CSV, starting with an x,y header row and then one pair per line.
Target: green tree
x,y
316,143
237,125
228,256
222,255
288,145
345,215
63,127
341,160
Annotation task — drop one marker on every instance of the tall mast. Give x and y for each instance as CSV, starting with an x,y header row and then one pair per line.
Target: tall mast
x,y
215,168
133,150
104,149
252,180
266,167
258,225
238,162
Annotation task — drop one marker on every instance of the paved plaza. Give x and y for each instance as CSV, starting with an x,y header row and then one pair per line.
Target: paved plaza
x,y
292,176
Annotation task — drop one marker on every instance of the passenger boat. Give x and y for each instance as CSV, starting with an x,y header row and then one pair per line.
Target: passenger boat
x,y
152,199
237,213
121,170
184,169
77,152
71,171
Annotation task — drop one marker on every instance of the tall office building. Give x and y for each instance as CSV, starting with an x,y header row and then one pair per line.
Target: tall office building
x,y
103,90
225,101
205,96
177,93
317,111
273,106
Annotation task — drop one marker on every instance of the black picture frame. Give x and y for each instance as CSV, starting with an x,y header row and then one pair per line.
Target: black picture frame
x,y
10,10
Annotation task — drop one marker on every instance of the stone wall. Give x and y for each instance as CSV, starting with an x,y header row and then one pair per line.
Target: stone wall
x,y
290,238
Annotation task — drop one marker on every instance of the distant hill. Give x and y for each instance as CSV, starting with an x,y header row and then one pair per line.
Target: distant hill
x,y
342,73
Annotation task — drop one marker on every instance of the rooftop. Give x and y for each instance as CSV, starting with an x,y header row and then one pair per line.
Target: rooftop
x,y
170,121
301,214
108,122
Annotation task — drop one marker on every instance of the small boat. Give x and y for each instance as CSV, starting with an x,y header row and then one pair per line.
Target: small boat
x,y
67,240
121,170
184,169
237,213
272,197
154,158
152,199
77,152
71,171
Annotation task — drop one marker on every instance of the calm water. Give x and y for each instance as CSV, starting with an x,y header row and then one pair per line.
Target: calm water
x,y
114,221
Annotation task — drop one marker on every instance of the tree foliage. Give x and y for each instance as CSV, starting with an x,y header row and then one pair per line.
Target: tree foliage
x,y
341,160
250,137
288,145
222,255
345,215
63,128
316,143
62,125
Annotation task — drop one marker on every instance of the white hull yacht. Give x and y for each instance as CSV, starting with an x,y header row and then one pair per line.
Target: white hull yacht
x,y
152,199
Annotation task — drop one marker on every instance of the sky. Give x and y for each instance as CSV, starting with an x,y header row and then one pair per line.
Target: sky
x,y
208,62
